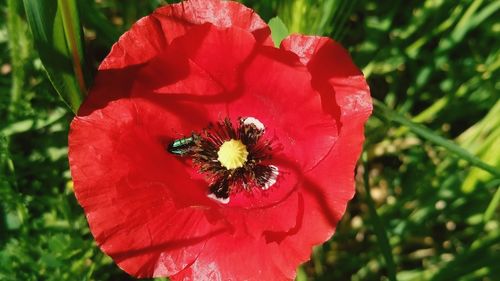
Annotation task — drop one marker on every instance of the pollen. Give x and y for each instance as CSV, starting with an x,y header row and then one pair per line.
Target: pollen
x,y
232,154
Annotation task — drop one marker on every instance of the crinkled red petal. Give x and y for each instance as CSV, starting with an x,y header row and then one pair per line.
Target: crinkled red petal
x,y
254,248
151,34
328,187
142,206
277,90
204,62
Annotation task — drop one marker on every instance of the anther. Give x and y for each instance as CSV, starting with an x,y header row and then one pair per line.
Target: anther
x,y
272,177
255,122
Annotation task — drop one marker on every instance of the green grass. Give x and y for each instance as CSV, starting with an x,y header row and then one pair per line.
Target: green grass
x,y
427,201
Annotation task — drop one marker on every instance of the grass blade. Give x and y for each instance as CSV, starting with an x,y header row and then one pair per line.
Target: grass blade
x,y
492,207
383,112
481,254
378,226
19,50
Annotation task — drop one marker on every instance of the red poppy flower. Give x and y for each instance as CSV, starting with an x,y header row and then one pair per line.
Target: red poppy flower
x,y
205,153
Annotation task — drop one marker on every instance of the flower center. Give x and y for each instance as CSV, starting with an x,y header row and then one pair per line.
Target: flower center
x,y
232,154
234,157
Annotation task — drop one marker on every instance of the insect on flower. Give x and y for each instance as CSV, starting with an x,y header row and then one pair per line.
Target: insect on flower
x,y
181,146
203,152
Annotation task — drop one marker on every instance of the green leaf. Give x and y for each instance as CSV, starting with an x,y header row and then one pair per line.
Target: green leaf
x,y
58,37
279,31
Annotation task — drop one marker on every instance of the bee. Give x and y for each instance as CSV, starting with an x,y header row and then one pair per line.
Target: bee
x,y
182,146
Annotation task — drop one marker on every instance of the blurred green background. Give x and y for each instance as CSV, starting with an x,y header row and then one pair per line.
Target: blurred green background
x,y
428,181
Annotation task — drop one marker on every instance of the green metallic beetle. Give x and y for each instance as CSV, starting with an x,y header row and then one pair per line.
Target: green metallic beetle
x,y
181,147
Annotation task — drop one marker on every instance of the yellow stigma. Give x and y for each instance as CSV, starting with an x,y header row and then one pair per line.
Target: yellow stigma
x,y
232,154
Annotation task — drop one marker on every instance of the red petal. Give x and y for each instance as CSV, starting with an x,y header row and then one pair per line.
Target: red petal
x,y
257,235
235,256
151,34
223,14
277,90
109,85
129,188
329,186
150,38
206,61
